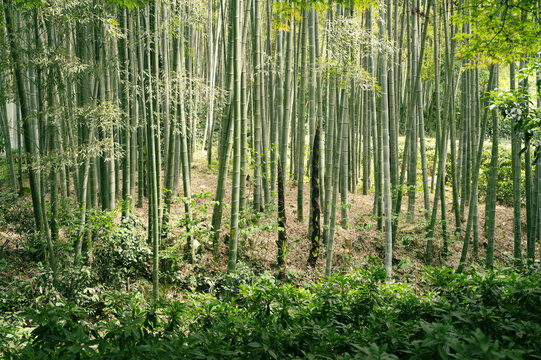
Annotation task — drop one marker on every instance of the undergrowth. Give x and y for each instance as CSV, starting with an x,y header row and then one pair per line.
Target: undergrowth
x,y
354,315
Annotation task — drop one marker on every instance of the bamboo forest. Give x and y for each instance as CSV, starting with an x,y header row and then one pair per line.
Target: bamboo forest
x,y
270,179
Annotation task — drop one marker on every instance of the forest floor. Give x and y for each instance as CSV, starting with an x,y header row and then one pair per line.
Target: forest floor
x,y
354,246
108,301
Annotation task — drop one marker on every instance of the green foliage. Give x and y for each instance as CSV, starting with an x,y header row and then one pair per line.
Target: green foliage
x,y
17,226
348,316
12,332
252,224
502,30
59,334
518,108
18,296
285,11
15,213
197,225
122,254
504,193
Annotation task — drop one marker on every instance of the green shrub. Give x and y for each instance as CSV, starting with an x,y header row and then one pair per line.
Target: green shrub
x,y
122,254
16,213
60,333
348,316
504,192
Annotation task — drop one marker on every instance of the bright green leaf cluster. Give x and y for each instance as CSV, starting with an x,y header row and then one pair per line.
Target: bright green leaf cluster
x,y
501,30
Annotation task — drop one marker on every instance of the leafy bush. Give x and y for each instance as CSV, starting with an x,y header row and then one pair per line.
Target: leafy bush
x,y
504,192
122,254
348,316
16,214
72,285
59,334
17,228
197,227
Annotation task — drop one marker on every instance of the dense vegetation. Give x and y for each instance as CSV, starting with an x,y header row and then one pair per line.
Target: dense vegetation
x,y
270,179
348,316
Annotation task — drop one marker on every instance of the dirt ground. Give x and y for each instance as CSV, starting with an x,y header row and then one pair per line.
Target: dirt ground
x,y
353,245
